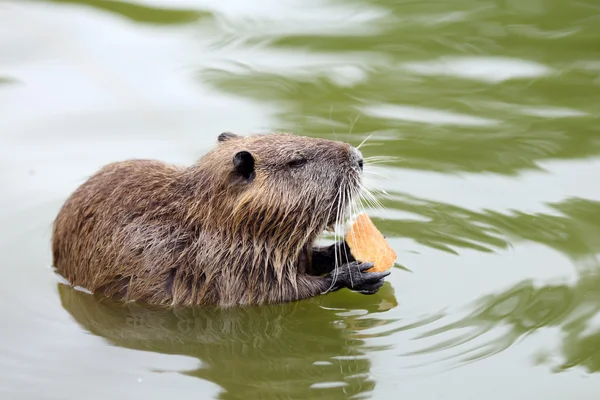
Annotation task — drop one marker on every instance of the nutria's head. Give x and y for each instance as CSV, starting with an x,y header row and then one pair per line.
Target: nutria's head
x,y
281,187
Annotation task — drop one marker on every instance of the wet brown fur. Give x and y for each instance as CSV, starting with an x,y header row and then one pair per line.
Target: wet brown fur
x,y
203,235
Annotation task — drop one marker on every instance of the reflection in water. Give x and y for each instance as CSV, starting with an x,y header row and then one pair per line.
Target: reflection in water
x,y
474,125
522,310
445,227
308,349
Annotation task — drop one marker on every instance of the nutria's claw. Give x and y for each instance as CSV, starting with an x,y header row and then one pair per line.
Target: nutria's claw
x,y
365,266
354,277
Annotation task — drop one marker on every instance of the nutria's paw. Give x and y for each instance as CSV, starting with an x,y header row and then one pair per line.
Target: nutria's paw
x,y
354,277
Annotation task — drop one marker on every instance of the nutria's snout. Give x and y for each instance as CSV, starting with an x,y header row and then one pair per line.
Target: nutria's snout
x,y
356,158
352,181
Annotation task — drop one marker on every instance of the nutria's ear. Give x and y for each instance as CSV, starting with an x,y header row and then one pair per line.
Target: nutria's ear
x,y
225,136
243,162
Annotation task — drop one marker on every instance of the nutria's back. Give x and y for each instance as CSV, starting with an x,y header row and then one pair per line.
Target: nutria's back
x,y
237,227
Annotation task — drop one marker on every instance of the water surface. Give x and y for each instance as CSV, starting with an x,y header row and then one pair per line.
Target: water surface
x,y
488,108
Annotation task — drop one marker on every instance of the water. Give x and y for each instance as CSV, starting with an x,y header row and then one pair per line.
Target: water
x,y
490,108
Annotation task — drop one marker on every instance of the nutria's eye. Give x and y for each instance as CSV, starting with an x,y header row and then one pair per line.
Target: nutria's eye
x,y
297,162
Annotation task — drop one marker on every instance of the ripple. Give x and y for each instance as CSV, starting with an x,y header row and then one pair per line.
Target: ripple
x,y
487,69
425,115
551,112
109,80
328,385
140,13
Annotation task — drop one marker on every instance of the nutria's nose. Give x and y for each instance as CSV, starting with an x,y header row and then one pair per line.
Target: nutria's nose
x,y
356,158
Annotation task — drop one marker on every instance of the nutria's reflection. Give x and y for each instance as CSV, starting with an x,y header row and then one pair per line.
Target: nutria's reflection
x,y
258,352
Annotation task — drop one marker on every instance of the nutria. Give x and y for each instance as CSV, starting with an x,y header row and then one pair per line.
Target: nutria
x,y
236,228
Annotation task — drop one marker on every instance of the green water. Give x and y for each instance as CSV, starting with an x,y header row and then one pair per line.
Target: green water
x,y
489,108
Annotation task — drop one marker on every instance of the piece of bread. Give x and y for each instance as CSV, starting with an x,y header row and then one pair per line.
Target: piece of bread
x,y
367,244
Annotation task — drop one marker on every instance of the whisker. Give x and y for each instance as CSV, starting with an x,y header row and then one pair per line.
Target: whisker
x,y
384,158
352,125
335,238
373,190
364,141
331,120
345,195
370,163
356,203
374,174
371,199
